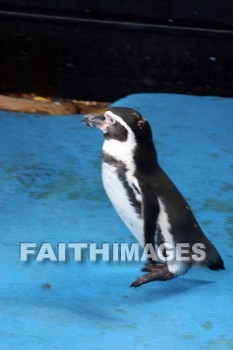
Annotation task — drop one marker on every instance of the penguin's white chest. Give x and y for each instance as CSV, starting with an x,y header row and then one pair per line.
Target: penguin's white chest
x,y
120,194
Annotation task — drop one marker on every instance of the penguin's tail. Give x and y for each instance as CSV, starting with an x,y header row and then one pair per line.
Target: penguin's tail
x,y
213,259
216,265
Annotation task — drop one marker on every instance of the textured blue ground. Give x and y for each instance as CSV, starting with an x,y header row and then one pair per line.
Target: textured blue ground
x,y
51,191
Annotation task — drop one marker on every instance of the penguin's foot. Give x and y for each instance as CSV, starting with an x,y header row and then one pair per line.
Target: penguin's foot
x,y
160,273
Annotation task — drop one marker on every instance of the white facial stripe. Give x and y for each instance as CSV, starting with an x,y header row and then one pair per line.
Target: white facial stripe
x,y
118,119
121,150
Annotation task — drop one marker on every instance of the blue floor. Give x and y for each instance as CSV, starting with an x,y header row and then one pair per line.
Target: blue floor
x,y
51,191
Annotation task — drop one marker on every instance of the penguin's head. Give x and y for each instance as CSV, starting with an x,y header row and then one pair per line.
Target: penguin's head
x,y
121,124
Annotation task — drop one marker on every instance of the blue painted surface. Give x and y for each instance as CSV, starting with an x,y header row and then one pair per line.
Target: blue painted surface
x,y
51,191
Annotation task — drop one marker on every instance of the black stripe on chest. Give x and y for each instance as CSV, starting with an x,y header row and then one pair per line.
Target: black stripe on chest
x,y
121,173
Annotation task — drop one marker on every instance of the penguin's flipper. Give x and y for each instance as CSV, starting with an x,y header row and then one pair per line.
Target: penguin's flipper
x,y
157,274
150,213
152,234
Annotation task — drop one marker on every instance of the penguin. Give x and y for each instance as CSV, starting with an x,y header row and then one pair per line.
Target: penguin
x,y
146,199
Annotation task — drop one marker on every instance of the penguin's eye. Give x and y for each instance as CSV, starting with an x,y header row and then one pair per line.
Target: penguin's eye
x,y
110,119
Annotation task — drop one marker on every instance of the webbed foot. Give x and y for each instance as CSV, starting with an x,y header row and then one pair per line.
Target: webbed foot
x,y
156,273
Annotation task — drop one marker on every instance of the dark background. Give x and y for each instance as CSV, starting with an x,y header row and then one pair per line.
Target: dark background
x,y
103,50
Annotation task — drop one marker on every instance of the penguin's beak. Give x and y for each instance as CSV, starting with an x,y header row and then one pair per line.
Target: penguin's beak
x,y
96,121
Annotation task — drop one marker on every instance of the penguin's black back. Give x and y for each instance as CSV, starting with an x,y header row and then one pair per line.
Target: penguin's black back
x,y
184,226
